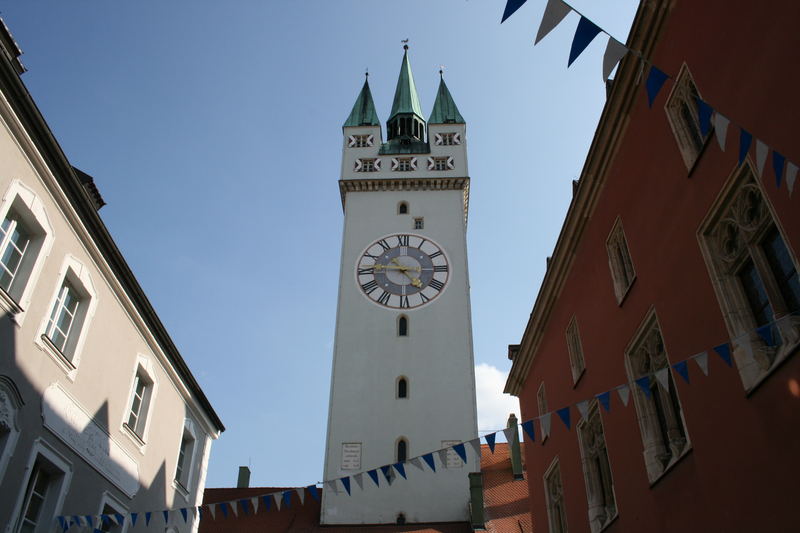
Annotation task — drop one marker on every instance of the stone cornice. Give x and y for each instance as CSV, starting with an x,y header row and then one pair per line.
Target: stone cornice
x,y
645,31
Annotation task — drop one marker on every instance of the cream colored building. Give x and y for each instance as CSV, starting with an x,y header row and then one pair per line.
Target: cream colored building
x,y
99,413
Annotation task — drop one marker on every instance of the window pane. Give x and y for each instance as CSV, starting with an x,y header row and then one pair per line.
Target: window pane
x,y
755,293
783,269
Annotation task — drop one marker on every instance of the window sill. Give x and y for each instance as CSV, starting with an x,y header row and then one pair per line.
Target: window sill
x,y
140,444
672,464
180,489
8,304
783,356
61,360
608,523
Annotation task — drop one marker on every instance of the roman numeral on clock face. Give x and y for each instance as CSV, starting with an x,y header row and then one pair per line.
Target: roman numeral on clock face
x,y
384,298
402,240
404,302
369,286
440,268
437,253
384,244
366,270
436,284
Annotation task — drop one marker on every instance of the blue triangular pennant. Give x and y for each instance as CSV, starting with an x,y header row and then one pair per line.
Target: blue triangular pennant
x,y
682,368
63,522
644,384
147,516
105,519
166,516
745,140
511,7
120,518
287,494
267,499
346,483
134,517
490,438
704,112
461,451
584,34
529,431
77,520
90,520
224,508
400,469
724,351
243,503
765,332
387,472
605,400
563,414
373,474
777,165
655,80
312,489
185,514
428,458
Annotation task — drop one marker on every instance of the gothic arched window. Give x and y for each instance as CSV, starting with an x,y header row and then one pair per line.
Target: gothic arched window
x,y
402,208
402,388
402,326
402,450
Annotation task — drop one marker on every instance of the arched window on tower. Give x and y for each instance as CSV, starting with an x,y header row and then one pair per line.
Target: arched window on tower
x,y
402,450
402,388
402,326
402,208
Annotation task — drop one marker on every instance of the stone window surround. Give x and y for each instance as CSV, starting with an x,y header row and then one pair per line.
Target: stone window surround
x,y
684,83
552,470
577,362
185,490
733,304
541,403
79,276
647,420
144,364
57,490
30,208
590,478
109,499
620,263
10,405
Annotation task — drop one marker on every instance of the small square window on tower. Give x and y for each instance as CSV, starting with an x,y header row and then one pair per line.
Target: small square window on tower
x,y
684,119
419,223
360,141
367,165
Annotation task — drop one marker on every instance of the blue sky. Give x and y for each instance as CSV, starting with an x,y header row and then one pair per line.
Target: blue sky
x,y
213,130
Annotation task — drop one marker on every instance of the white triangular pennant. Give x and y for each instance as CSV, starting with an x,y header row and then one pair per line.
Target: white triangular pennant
x,y
476,447
721,128
615,51
278,497
791,175
762,150
301,493
554,13
78,519
359,479
213,510
509,433
544,423
663,377
702,361
745,342
624,392
234,509
331,485
443,457
583,408
254,503
415,461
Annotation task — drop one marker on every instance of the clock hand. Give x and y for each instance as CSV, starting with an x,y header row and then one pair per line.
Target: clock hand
x,y
414,281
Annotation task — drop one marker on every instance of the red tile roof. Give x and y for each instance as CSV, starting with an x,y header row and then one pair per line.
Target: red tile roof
x,y
505,501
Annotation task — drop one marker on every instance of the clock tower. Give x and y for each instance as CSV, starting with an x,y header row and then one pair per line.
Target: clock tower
x,y
403,381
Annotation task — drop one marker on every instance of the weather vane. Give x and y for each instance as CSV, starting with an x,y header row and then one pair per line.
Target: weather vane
x,y
405,44
441,71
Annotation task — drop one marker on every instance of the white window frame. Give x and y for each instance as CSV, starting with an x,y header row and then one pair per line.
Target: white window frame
x,y
57,489
645,412
419,223
27,205
623,273
74,272
10,405
144,365
184,485
109,499
755,360
553,469
577,362
600,516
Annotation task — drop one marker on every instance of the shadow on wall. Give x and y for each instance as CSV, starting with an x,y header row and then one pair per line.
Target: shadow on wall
x,y
49,431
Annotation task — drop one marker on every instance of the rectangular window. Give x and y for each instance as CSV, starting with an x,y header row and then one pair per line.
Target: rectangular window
x,y
14,241
404,164
754,275
61,324
575,349
109,526
619,261
448,139
35,497
681,109
419,223
140,403
439,163
661,422
541,398
366,165
554,497
362,141
596,470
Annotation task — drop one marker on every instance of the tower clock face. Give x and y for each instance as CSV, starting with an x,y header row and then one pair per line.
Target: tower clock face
x,y
402,271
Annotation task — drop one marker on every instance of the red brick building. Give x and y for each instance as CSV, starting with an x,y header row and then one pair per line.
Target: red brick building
x,y
670,248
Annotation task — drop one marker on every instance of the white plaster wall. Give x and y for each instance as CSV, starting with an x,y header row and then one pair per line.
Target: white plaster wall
x,y
436,357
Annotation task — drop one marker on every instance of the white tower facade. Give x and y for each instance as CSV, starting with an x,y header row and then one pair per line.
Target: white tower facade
x,y
403,380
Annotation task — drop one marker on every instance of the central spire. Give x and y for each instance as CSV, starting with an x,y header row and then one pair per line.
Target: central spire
x,y
405,120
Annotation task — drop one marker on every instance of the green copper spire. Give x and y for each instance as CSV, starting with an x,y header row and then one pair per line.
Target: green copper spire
x,y
444,109
406,99
363,113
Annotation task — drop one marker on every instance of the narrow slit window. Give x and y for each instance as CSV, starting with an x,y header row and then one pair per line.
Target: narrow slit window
x,y
402,450
402,208
402,388
402,326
